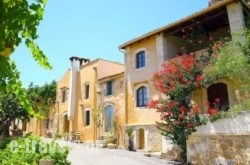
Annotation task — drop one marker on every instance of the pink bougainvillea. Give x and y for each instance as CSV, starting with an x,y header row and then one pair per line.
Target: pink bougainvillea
x,y
177,79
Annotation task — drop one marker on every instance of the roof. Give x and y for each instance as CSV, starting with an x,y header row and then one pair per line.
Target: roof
x,y
106,68
177,23
100,59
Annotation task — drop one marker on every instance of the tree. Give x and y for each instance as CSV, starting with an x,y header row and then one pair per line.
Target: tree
x,y
42,97
177,80
19,20
10,110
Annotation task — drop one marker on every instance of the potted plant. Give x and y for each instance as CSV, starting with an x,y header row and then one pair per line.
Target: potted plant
x,y
129,132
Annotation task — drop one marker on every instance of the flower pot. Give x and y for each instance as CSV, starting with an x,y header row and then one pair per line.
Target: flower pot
x,y
46,162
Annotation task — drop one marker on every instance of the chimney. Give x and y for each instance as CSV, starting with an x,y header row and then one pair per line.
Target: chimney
x,y
75,66
212,2
84,61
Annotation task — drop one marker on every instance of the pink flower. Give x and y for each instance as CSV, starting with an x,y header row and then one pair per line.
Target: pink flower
x,y
217,100
212,111
196,109
180,117
206,103
183,109
176,122
170,126
153,103
199,78
169,114
189,125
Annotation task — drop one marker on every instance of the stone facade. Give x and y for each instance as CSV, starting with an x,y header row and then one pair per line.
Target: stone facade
x,y
116,101
224,141
215,149
145,138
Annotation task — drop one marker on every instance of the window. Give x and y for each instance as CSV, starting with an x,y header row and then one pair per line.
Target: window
x,y
110,87
64,95
86,117
140,59
141,95
86,89
108,117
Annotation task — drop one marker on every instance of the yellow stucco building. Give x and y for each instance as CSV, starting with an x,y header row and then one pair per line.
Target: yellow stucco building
x,y
89,102
145,54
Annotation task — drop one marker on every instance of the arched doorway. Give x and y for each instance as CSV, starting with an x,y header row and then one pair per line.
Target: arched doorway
x,y
219,92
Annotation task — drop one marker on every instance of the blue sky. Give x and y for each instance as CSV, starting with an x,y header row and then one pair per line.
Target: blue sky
x,y
94,29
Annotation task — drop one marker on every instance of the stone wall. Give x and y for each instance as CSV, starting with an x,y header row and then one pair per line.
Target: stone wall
x,y
154,139
215,149
226,141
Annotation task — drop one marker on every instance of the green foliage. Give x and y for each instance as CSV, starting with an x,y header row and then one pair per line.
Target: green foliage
x,y
245,47
33,152
42,97
96,115
243,96
129,131
58,136
230,64
244,105
4,143
19,20
9,81
11,108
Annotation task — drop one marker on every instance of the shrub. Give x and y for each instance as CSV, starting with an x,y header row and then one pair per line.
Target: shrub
x,y
29,150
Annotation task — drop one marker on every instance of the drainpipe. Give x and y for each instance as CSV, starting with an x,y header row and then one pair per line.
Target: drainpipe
x,y
95,103
125,89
